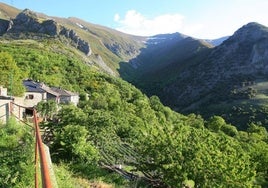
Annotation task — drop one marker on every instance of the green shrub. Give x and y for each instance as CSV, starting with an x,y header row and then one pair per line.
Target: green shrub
x,y
17,154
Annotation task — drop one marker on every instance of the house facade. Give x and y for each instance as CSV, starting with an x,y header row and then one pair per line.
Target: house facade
x,y
36,92
7,107
4,105
65,96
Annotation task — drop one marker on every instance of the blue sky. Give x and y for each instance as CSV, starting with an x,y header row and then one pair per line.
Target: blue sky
x,y
198,18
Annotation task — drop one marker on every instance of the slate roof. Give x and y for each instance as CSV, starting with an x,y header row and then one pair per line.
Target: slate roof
x,y
32,86
49,90
63,92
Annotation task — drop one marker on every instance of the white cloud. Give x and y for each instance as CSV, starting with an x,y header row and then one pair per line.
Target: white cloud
x,y
225,17
137,24
116,17
211,23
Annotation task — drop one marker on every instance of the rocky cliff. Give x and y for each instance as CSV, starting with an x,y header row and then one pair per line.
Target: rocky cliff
x,y
28,22
76,40
3,26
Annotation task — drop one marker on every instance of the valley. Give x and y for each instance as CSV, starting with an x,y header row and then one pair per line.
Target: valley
x,y
170,109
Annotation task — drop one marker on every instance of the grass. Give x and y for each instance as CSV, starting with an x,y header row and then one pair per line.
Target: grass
x,y
85,175
17,162
67,178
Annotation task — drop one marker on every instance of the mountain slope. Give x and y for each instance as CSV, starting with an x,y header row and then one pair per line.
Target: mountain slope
x,y
230,72
161,52
115,124
8,12
217,42
163,59
101,46
188,74
241,58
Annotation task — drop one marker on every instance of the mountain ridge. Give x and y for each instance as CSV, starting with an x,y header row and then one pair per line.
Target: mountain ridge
x,y
116,128
233,67
185,72
111,45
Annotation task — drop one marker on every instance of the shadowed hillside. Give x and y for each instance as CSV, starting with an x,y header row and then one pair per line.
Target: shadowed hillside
x,y
117,134
201,77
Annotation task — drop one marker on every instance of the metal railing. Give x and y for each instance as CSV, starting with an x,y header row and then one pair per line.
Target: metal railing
x,y
40,152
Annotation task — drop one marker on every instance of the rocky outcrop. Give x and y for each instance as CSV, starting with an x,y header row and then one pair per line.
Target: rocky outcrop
x,y
76,41
99,61
3,26
259,55
122,49
29,22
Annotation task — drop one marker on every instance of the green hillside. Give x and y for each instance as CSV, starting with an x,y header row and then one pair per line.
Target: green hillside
x,y
117,124
111,45
117,135
240,106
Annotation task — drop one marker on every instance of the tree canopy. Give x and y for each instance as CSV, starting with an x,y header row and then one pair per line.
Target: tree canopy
x,y
118,125
10,75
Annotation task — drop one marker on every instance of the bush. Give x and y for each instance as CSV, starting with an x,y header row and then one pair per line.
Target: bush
x,y
72,145
16,157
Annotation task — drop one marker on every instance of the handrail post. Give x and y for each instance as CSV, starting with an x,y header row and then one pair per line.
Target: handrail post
x,y
36,162
46,182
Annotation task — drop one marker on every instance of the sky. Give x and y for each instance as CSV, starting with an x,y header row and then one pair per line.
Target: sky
x,y
203,19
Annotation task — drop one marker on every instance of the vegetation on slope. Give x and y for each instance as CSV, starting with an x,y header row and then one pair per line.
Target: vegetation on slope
x,y
16,156
121,126
118,125
17,160
11,76
109,47
50,62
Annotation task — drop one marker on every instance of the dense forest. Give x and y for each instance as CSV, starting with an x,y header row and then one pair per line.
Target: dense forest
x,y
116,124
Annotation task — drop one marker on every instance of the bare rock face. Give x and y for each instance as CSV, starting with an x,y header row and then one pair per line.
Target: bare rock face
x,y
3,26
77,42
99,61
29,22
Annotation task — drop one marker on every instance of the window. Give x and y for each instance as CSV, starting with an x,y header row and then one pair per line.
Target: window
x,y
29,96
